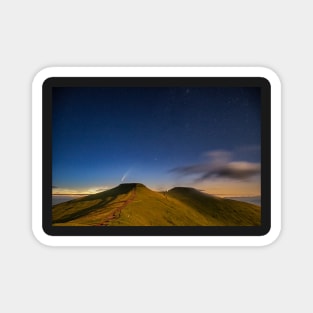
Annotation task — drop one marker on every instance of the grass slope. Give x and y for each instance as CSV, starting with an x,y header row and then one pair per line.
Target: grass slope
x,y
136,205
218,210
151,208
90,210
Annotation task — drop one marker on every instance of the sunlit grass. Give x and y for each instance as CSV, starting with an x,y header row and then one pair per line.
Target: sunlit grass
x,y
136,205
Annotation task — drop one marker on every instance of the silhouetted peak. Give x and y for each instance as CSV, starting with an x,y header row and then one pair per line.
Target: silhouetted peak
x,y
132,185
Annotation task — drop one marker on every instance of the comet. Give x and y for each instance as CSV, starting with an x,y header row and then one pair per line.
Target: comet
x,y
125,175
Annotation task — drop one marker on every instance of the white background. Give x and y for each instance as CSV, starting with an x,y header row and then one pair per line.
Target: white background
x,y
37,34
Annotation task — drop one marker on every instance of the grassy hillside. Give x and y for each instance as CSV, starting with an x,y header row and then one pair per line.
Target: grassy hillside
x,y
218,210
136,205
151,208
93,209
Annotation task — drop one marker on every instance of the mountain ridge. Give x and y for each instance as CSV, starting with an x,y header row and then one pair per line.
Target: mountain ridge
x,y
134,204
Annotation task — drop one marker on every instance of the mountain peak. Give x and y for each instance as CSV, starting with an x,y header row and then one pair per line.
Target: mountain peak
x,y
132,185
183,189
133,204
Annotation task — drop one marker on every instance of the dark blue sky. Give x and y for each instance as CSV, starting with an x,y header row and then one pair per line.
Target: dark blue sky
x,y
150,134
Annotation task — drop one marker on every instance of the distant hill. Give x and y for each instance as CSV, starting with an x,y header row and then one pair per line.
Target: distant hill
x,y
254,200
136,205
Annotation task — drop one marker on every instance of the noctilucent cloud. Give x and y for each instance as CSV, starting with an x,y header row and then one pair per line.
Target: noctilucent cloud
x,y
207,138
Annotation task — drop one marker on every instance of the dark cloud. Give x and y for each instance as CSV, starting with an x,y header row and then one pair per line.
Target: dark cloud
x,y
219,165
233,170
55,187
190,170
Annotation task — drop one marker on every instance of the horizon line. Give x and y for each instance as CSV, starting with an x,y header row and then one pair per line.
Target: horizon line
x,y
213,194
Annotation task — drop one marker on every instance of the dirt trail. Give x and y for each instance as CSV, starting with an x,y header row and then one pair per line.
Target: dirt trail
x,y
116,212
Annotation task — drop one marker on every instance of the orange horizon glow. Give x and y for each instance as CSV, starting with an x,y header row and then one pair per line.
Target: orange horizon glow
x,y
219,189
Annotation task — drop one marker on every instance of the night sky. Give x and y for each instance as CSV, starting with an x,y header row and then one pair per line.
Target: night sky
x,y
207,138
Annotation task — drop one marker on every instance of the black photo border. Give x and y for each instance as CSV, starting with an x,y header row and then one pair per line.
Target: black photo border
x,y
260,82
